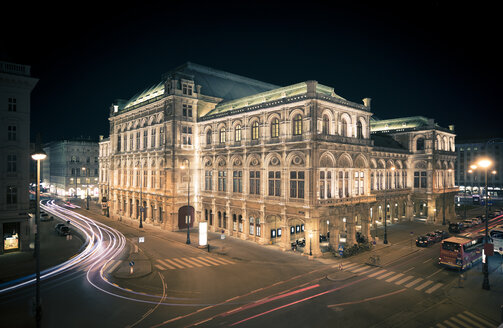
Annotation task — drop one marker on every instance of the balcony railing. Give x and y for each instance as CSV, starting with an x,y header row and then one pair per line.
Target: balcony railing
x,y
347,200
346,140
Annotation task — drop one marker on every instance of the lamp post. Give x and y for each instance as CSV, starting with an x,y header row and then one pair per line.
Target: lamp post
x,y
310,239
38,155
188,201
443,199
485,163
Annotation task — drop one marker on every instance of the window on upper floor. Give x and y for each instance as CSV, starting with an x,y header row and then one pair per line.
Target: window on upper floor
x,y
11,133
255,182
12,105
325,129
297,125
254,131
275,128
186,135
344,128
145,139
11,195
359,130
208,137
187,89
420,144
152,137
11,163
222,136
297,184
420,180
274,183
237,181
237,133
186,111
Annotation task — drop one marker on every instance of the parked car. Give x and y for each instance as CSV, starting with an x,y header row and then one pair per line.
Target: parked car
x,y
46,217
423,241
476,221
62,229
468,223
442,234
433,237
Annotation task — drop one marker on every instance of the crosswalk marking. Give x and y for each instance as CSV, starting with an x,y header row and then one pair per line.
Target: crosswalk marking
x,y
183,263
450,324
191,262
465,318
352,265
377,273
175,264
412,283
202,262
439,325
166,264
404,280
208,260
359,269
434,288
159,267
459,322
420,287
369,270
479,319
394,277
385,275
222,260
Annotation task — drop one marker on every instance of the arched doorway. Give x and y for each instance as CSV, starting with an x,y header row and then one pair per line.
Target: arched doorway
x,y
183,212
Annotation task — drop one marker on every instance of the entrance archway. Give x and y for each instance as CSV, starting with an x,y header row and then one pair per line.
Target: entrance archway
x,y
183,212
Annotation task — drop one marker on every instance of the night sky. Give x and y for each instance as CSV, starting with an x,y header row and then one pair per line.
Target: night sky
x,y
438,59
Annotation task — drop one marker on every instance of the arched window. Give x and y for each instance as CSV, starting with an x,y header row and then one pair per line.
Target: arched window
x,y
420,144
254,131
325,127
237,133
222,135
297,125
275,128
359,130
208,137
344,128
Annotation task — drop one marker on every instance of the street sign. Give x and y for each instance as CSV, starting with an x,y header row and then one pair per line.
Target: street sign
x,y
341,247
141,239
131,263
341,252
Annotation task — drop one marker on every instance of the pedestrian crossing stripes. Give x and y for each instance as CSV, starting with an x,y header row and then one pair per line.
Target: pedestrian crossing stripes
x,y
466,319
190,262
409,281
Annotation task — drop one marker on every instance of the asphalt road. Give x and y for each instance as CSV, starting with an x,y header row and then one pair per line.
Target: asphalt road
x,y
243,284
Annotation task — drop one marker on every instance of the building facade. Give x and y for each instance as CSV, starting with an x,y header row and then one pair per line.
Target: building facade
x,y
473,182
272,164
16,85
71,168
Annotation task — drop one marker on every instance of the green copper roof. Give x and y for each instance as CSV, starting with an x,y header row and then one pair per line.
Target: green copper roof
x,y
268,96
154,91
400,123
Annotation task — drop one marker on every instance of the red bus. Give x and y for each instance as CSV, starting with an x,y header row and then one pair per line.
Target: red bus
x,y
461,252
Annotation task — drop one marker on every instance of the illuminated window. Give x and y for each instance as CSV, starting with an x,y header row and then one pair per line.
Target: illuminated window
x,y
222,135
237,136
275,128
297,125
254,134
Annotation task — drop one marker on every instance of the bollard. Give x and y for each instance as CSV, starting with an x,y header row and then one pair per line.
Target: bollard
x,y
208,247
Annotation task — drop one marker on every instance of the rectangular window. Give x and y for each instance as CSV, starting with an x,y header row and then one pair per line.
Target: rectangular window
x,y
357,183
362,190
297,184
423,180
222,180
131,145
255,182
274,183
137,140
187,89
152,138
237,181
257,229
145,139
416,179
118,144
208,183
252,226
186,135
11,133
11,163
12,105
186,111
11,195
322,184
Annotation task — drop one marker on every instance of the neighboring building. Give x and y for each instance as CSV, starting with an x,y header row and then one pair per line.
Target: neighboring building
x,y
16,85
71,168
468,153
272,164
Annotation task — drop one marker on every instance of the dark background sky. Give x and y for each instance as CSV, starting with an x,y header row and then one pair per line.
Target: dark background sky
x,y
438,59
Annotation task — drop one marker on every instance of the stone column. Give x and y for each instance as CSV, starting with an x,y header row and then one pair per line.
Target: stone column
x,y
312,233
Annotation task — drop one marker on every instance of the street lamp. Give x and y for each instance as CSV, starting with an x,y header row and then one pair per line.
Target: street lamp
x,y
310,239
485,164
188,199
38,155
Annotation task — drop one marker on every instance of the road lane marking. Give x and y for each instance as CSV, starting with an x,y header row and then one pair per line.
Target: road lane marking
x,y
385,275
434,288
183,263
427,260
478,318
465,318
192,262
166,264
222,261
367,299
377,273
408,270
174,263
420,287
412,283
404,280
434,273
